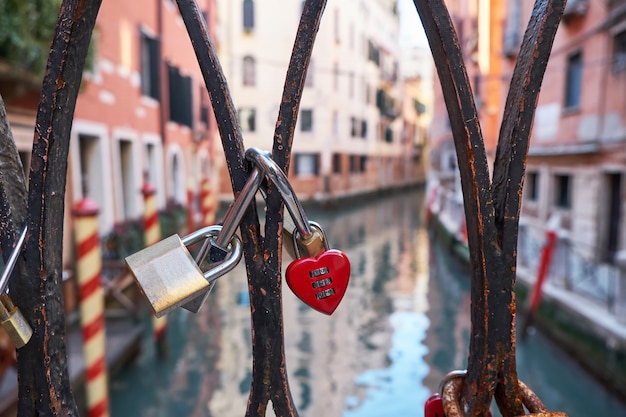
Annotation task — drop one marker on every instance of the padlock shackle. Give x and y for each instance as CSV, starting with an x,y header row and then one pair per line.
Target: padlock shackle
x,y
459,373
278,177
313,225
237,209
210,232
10,264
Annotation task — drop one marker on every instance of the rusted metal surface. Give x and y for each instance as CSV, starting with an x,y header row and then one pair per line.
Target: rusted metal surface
x,y
492,208
453,404
262,253
450,396
44,387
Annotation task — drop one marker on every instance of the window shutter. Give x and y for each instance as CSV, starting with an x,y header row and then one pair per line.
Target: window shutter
x,y
155,88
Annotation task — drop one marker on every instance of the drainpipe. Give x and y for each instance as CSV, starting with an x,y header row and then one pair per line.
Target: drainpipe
x,y
162,71
603,87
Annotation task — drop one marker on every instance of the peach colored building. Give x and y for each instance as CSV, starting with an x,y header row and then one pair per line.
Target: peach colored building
x,y
143,112
577,159
576,167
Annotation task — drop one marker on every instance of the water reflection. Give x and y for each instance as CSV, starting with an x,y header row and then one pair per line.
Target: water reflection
x,y
403,324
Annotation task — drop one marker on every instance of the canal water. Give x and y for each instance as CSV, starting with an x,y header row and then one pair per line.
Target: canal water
x,y
403,324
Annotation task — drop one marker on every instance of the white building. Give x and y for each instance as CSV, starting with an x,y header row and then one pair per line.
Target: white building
x,y
349,136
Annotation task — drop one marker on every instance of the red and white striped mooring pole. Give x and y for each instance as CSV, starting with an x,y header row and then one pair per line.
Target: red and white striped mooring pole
x,y
208,203
91,296
191,213
152,234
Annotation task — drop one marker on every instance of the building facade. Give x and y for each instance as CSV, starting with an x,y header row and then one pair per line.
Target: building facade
x,y
143,114
576,164
350,137
577,158
479,26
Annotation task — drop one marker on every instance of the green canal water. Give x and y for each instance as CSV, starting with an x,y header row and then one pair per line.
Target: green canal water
x,y
403,324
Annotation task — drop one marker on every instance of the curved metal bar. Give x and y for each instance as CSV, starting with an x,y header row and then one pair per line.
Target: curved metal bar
x,y
10,264
491,209
451,397
42,363
279,179
481,232
236,211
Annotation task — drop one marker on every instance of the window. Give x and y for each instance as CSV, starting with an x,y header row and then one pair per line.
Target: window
x,y
249,71
151,163
353,163
573,80
181,99
307,164
336,163
306,120
247,119
373,53
532,186
619,52
388,134
91,168
364,129
204,109
149,66
562,191
363,165
128,183
354,128
512,32
248,15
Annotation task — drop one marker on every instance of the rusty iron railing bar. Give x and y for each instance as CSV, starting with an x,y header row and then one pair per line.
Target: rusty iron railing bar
x,y
270,334
475,183
12,187
492,214
43,383
508,176
262,254
217,87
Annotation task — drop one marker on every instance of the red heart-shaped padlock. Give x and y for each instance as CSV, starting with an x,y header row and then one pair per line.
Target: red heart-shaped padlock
x,y
320,282
434,406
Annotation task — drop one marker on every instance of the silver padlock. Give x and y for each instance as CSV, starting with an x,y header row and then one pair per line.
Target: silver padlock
x,y
169,276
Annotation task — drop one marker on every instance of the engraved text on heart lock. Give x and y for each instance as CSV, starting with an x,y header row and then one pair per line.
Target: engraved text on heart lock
x,y
320,282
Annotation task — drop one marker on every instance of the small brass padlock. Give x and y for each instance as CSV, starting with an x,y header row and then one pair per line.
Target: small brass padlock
x,y
169,276
320,281
11,318
311,246
14,322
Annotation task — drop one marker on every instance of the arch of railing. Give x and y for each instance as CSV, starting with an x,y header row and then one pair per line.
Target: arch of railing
x,y
491,205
